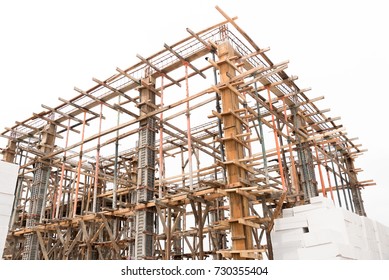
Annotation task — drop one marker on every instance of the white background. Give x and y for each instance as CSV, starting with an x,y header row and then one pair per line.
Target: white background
x,y
63,270
339,48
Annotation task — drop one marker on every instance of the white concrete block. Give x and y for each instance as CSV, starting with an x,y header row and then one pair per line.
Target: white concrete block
x,y
6,199
326,252
328,219
3,237
317,199
4,220
304,209
322,231
287,253
325,236
351,252
324,202
320,252
382,235
8,177
287,212
290,223
3,229
368,229
373,255
340,258
3,232
287,238
5,210
351,217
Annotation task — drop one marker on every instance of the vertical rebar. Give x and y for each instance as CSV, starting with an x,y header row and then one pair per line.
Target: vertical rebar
x,y
323,187
262,139
328,173
219,122
343,188
115,175
284,163
294,179
79,166
336,180
302,159
188,129
161,165
62,172
346,179
97,166
276,141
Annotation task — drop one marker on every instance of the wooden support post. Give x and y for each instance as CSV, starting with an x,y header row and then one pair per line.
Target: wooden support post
x,y
10,151
305,159
240,234
355,190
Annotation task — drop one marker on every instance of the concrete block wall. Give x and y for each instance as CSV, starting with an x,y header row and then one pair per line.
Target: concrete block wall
x,y
322,231
382,236
8,178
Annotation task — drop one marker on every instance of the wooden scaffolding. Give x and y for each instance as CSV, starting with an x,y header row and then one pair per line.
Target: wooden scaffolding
x,y
191,153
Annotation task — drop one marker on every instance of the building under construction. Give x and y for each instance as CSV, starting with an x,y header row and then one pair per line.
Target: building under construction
x,y
191,153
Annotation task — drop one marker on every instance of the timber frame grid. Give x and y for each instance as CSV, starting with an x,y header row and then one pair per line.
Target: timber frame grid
x,y
141,167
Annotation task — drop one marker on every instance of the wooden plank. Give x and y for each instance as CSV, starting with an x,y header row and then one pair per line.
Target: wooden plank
x,y
59,236
42,245
242,99
215,114
96,235
150,88
108,228
50,120
318,112
82,109
184,60
91,96
74,242
124,110
28,126
277,211
246,194
114,90
161,217
63,114
213,63
225,139
270,70
237,163
256,53
208,46
157,69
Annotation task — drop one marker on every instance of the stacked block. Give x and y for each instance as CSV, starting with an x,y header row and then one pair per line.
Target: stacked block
x,y
382,236
8,178
320,230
